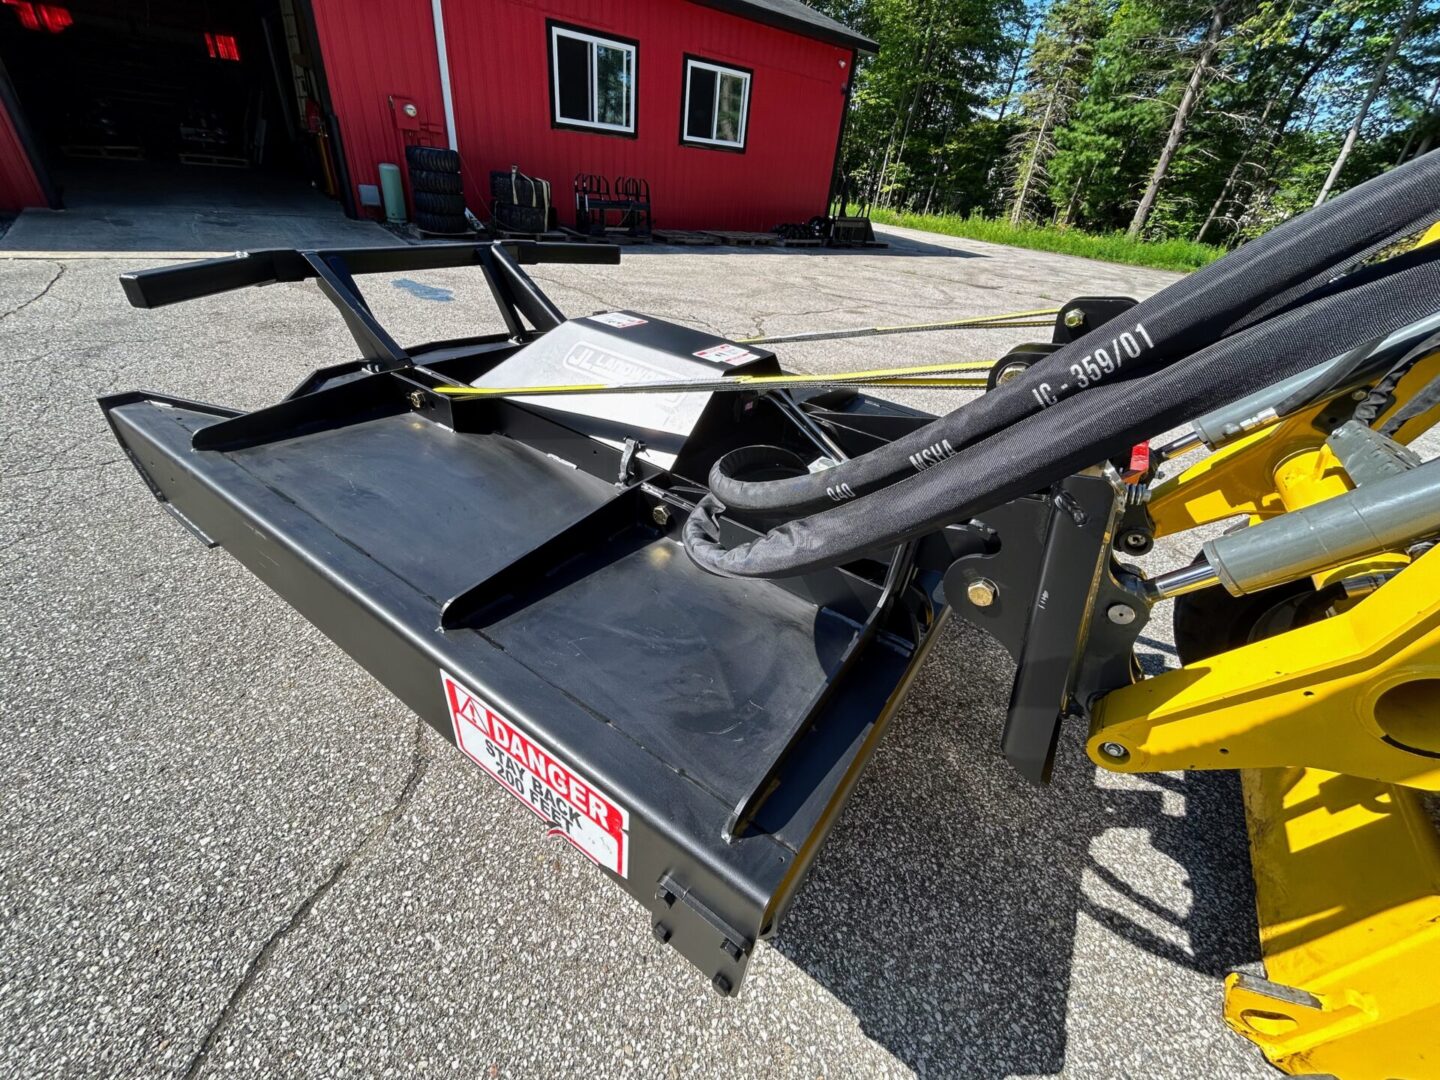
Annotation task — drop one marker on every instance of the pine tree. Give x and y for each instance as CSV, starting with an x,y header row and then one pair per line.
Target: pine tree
x,y
1219,17
1059,64
1102,153
1213,119
1382,70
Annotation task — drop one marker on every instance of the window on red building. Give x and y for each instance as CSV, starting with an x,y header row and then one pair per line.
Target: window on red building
x,y
717,104
592,80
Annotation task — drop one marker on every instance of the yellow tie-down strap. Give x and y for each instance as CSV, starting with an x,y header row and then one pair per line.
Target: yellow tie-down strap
x,y
1035,317
962,375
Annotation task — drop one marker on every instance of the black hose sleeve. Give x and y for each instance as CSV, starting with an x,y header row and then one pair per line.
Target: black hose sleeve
x,y
1190,314
762,459
1382,394
1364,360
1427,399
1043,447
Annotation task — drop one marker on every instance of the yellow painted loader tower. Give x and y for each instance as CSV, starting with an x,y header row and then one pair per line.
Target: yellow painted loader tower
x,y
1326,694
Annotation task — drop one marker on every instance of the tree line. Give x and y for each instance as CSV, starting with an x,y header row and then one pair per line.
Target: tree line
x,y
1209,120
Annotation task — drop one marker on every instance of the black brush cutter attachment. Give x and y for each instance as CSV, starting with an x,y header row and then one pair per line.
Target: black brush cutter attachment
x,y
634,611
514,573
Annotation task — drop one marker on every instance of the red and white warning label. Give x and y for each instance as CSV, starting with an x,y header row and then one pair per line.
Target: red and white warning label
x,y
726,353
574,808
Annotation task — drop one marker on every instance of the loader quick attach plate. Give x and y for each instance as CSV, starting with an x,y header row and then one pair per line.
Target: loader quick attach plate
x,y
514,573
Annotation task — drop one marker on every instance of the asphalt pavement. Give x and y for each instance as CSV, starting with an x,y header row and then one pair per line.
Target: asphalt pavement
x,y
226,850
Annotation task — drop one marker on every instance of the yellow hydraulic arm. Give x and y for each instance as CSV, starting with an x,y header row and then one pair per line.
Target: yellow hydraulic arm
x,y
1336,727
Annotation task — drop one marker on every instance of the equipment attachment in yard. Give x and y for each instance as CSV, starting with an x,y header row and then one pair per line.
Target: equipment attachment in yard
x,y
513,572
513,565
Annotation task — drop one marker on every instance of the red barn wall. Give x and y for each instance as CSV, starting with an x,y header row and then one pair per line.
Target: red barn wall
x,y
499,71
19,187
373,50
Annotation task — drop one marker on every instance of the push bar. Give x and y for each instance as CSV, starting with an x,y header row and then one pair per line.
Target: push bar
x,y
188,281
334,271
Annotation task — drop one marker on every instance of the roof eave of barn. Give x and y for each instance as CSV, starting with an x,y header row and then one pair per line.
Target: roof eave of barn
x,y
797,18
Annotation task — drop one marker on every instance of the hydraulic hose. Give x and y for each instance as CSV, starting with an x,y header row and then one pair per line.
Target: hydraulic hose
x,y
1281,269
1427,399
1364,362
1044,445
1221,426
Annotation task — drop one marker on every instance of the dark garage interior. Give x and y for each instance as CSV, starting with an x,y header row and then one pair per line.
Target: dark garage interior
x,y
212,104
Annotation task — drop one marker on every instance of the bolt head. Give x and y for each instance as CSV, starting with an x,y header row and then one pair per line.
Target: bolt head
x,y
417,399
660,515
1010,371
1120,614
1136,540
1114,751
1359,395
982,592
1075,317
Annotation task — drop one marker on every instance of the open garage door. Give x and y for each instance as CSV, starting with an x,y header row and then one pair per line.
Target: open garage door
x,y
218,104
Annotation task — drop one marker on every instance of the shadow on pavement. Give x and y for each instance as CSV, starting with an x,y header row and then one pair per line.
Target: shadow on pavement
x,y
944,912
897,245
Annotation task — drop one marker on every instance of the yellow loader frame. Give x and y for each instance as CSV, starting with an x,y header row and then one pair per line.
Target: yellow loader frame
x,y
1335,726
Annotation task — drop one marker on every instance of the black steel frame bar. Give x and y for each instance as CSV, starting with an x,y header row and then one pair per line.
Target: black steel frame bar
x,y
206,277
334,271
380,351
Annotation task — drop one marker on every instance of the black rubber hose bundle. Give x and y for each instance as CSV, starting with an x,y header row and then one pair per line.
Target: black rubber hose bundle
x,y
1278,305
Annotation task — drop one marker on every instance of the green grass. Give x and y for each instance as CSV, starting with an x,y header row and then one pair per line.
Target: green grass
x,y
1109,247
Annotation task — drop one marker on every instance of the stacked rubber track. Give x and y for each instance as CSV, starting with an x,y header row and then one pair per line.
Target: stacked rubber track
x,y
1299,295
436,189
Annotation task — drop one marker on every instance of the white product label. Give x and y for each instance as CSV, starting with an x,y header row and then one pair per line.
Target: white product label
x,y
574,808
617,319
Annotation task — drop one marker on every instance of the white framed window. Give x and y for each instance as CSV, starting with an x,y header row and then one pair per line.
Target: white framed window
x,y
717,104
592,80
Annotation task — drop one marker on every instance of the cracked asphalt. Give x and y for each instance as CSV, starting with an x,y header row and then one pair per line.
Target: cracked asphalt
x,y
226,850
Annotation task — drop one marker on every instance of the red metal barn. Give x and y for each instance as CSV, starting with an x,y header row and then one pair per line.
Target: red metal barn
x,y
560,87
18,184
732,110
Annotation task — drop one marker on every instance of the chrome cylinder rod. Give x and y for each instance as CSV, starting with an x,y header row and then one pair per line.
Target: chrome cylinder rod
x,y
1187,579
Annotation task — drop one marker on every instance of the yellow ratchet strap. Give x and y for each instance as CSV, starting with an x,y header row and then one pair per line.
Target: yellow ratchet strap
x,y
962,375
976,322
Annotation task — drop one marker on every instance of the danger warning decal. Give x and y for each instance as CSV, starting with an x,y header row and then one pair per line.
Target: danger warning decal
x,y
571,805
